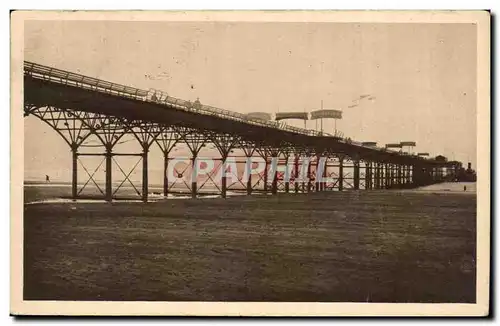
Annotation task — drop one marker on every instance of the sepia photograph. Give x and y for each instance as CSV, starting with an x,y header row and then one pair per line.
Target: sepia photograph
x,y
250,163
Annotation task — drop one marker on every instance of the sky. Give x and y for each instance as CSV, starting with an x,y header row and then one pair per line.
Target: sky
x,y
421,77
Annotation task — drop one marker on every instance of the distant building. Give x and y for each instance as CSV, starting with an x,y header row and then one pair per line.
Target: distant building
x,y
468,175
441,158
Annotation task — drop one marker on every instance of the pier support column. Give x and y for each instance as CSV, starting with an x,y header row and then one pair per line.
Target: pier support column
x,y
383,175
399,179
223,191
74,177
393,175
194,177
414,178
409,175
296,173
380,176
266,171
341,174
286,175
403,174
145,181
309,183
318,168
387,176
224,155
225,144
248,167
368,176
165,174
274,189
380,172
325,173
303,185
109,185
356,175
370,168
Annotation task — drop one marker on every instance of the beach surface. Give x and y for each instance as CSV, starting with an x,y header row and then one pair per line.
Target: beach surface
x,y
353,246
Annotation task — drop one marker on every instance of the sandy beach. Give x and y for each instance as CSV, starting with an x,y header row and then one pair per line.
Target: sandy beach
x,y
353,246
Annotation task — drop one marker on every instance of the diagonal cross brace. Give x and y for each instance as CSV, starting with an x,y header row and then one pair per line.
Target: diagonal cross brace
x,y
127,177
91,177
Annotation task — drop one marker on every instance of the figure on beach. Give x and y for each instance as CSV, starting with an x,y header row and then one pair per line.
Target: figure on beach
x,y
47,179
465,188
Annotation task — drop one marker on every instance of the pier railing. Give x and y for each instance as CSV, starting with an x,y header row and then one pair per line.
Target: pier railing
x,y
64,77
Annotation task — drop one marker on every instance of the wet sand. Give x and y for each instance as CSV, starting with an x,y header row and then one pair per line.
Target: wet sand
x,y
353,246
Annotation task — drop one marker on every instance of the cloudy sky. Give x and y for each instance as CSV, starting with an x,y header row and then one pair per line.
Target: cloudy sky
x,y
422,77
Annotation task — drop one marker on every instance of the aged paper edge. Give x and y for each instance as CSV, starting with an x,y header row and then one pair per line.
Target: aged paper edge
x,y
481,308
